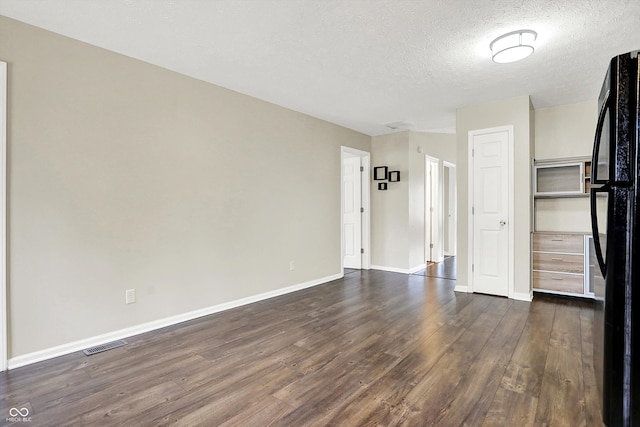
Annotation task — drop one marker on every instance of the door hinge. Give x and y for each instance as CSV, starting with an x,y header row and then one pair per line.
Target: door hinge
x,y
431,245
473,210
472,267
361,168
361,210
473,152
361,250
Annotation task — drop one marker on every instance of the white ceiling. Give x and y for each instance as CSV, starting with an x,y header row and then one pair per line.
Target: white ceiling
x,y
360,63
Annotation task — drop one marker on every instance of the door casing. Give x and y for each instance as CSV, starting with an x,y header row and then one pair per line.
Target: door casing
x,y
3,216
470,194
450,216
365,158
434,225
351,210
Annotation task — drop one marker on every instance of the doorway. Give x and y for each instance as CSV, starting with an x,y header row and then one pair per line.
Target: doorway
x,y
490,235
354,208
433,226
449,207
440,219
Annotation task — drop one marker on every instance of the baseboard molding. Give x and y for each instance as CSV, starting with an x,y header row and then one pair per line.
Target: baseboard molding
x,y
523,296
390,269
417,268
399,270
519,296
460,288
61,350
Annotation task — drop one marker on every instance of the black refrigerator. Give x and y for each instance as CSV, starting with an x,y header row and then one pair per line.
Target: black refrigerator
x,y
615,218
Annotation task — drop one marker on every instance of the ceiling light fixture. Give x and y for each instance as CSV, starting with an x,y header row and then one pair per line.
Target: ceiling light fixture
x,y
401,125
513,46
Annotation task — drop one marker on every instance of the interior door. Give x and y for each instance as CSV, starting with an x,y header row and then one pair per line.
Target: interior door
x,y
431,210
450,209
351,212
490,213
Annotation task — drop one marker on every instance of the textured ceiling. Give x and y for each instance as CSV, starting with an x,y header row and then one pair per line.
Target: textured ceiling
x,y
360,63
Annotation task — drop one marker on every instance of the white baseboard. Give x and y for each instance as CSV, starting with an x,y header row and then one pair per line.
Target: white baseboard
x,y
390,269
49,353
523,296
417,268
460,288
399,270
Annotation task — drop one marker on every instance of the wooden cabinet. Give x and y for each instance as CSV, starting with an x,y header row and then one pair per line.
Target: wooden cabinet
x,y
562,178
558,261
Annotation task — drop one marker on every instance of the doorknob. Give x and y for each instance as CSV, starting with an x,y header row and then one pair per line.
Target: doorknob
x,y
503,222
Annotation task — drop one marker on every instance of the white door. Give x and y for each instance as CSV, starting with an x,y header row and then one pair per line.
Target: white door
x,y
490,212
352,212
429,196
433,211
450,209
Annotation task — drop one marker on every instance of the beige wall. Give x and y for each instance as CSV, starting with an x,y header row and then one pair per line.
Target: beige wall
x,y
564,131
441,146
516,112
125,175
389,209
398,214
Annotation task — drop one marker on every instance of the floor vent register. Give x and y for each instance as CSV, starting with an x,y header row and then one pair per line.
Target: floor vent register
x,y
104,347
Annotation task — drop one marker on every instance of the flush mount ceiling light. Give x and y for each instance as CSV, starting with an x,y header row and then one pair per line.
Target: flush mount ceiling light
x,y
401,125
513,46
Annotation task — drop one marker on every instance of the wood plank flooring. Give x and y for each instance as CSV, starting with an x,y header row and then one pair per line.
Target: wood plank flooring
x,y
371,349
444,270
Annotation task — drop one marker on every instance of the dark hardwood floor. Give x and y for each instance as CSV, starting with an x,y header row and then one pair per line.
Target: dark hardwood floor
x,y
443,270
374,348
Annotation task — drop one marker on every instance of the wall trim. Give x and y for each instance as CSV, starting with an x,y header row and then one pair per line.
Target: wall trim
x,y
390,269
417,268
61,350
523,296
398,270
3,217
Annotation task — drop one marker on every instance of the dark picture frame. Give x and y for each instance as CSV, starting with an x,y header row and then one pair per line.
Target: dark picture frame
x,y
380,173
394,176
382,186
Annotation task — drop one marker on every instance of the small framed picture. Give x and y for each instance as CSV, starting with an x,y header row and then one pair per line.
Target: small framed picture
x,y
380,173
382,186
394,176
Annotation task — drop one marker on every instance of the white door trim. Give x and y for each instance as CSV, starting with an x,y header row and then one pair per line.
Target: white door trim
x,y
433,230
365,158
3,216
452,208
470,198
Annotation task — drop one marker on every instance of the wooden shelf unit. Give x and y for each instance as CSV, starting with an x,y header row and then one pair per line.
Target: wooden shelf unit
x,y
569,177
559,263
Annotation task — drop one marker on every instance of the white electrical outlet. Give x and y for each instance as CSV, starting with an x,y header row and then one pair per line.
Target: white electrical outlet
x,y
130,296
292,265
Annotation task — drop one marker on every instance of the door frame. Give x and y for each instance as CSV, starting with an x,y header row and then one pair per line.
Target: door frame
x,y
453,206
511,206
435,254
3,216
365,194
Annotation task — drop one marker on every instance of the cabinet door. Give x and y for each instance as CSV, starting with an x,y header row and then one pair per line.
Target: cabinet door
x,y
565,178
562,263
559,282
565,243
